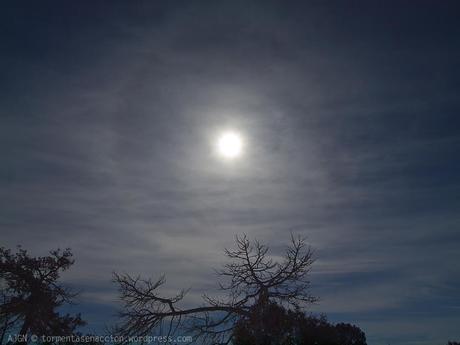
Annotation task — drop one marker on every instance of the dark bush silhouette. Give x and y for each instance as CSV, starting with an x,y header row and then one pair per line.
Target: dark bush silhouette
x,y
31,294
275,325
266,324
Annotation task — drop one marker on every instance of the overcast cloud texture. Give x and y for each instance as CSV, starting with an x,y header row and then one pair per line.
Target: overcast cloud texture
x,y
350,114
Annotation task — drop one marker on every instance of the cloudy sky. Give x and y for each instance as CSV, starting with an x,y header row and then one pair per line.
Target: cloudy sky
x,y
349,113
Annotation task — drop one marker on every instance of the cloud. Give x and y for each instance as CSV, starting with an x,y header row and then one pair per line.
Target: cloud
x,y
352,141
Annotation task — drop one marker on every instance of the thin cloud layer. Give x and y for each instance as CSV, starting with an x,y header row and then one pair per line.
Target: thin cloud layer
x,y
107,121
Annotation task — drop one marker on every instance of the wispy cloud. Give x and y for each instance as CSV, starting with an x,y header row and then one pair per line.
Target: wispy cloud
x,y
352,141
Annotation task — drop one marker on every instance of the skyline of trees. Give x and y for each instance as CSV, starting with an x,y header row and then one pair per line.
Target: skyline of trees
x,y
264,301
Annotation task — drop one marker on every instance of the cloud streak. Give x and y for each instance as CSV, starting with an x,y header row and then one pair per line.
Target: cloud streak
x,y
107,128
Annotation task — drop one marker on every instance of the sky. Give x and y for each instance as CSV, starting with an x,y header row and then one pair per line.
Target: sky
x,y
349,112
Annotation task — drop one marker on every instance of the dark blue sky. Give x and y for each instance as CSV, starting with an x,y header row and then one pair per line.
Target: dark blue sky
x,y
350,114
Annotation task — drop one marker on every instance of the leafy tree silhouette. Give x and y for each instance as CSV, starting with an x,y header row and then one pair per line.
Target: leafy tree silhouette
x,y
250,283
31,294
275,325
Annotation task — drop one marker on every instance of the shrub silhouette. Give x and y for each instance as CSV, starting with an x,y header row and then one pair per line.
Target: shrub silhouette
x,y
272,324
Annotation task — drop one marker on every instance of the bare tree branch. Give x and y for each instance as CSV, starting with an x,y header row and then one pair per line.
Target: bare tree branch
x,y
251,278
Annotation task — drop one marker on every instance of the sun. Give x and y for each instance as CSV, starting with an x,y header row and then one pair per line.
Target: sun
x,y
229,145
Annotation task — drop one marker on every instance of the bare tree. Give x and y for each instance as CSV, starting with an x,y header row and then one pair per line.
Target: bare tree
x,y
249,282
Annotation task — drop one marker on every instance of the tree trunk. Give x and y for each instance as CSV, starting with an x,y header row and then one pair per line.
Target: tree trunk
x,y
25,326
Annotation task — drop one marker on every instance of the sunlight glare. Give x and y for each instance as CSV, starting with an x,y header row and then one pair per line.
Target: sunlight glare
x,y
230,145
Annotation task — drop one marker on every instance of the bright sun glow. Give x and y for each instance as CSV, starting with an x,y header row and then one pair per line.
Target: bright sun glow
x,y
230,145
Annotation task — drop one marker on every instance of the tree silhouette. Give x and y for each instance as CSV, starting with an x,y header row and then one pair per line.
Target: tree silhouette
x,y
31,293
275,325
266,324
249,282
